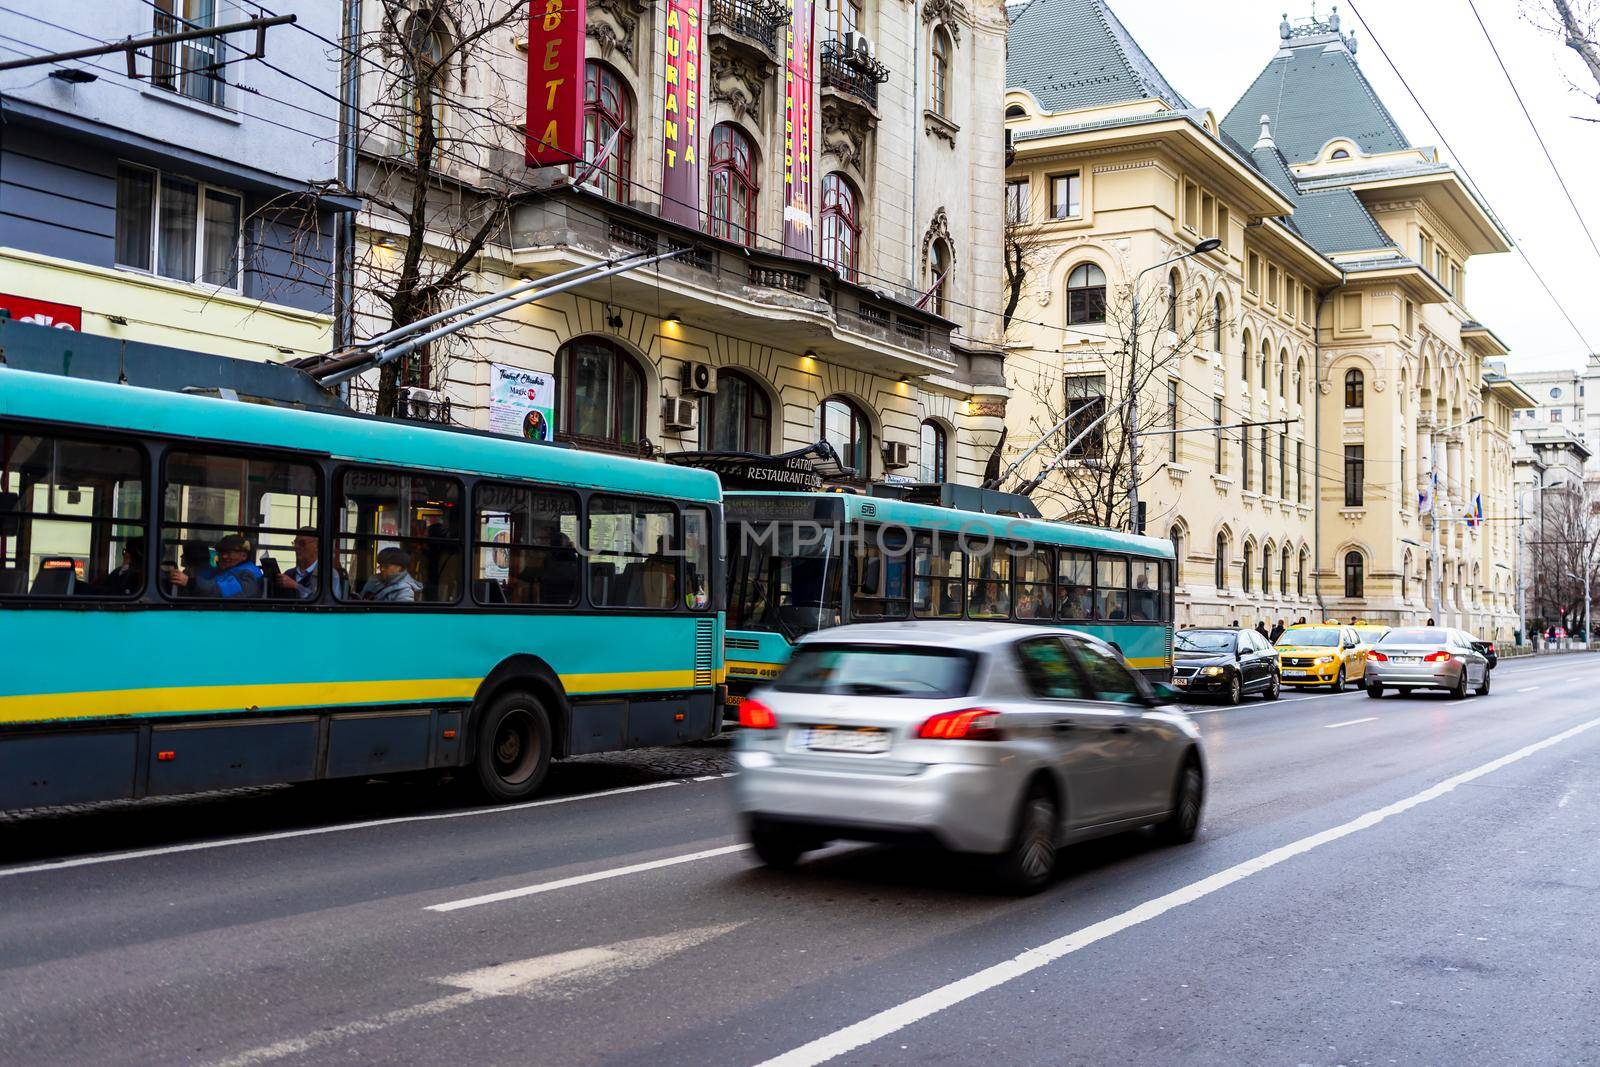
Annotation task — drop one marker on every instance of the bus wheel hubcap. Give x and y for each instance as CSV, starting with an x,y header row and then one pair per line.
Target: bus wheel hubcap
x,y
515,750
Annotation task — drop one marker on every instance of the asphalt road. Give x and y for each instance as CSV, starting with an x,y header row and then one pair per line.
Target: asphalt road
x,y
1413,880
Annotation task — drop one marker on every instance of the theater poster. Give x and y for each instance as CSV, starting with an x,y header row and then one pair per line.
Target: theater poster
x,y
556,43
522,402
797,128
680,169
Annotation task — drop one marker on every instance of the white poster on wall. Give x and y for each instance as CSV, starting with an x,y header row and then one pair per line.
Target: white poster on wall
x,y
522,403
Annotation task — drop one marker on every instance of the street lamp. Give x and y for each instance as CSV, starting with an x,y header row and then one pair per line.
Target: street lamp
x,y
1436,583
1210,244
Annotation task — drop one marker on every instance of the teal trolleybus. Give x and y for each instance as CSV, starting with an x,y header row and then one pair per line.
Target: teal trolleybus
x,y
199,593
799,562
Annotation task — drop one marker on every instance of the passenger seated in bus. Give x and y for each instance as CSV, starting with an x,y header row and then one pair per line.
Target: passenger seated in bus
x,y
304,579
441,564
1077,602
654,583
1144,599
231,577
393,583
126,580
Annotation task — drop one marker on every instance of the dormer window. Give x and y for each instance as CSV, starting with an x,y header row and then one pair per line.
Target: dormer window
x,y
1339,153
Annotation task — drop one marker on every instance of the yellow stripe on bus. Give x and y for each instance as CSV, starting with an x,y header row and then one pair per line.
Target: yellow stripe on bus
x,y
172,700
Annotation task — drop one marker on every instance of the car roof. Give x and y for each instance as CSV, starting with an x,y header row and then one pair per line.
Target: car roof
x,y
943,633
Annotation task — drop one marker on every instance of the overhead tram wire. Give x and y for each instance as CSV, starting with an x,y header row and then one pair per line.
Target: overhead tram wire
x,y
1532,126
1463,167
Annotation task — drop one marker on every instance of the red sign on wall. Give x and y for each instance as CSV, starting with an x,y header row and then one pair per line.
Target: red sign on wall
x,y
680,170
555,81
42,312
797,122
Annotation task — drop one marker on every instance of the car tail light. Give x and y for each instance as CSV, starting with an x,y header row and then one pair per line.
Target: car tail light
x,y
1437,657
1491,648
973,724
754,715
1379,656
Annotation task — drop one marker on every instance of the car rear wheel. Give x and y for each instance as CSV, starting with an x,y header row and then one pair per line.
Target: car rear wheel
x,y
1028,862
1235,690
1274,688
779,847
1338,681
1188,799
1374,690
1483,690
1460,690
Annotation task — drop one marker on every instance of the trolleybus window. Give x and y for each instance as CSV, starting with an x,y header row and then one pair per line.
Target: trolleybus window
x,y
697,559
400,536
938,570
72,517
783,576
632,557
1077,585
880,578
525,546
1147,598
988,579
1111,584
228,523
1035,586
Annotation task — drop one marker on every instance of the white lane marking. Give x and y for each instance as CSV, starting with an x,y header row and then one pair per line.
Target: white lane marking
x,y
1527,689
314,831
1352,722
947,996
584,879
561,974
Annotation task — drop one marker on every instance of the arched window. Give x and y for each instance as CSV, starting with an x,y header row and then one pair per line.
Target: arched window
x,y
1266,360
1354,581
933,453
1283,573
1266,571
1355,389
841,226
1175,535
941,72
1339,153
1249,563
1405,577
737,417
735,181
1216,326
1221,576
1244,359
1300,578
1300,382
1016,111
845,427
939,274
1172,300
608,110
603,393
1283,374
423,87
1086,294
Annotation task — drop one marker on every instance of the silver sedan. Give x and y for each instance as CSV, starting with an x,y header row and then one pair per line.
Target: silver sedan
x,y
989,738
1427,657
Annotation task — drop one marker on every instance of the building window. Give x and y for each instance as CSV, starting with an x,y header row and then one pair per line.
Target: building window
x,y
1191,206
1017,200
734,184
1272,283
1216,326
939,260
1266,462
1283,572
1175,535
1300,471
1216,420
1355,476
1283,374
1355,389
178,228
1244,361
1247,563
941,72
846,428
1300,382
421,88
603,393
608,113
843,16
1086,294
1172,300
1086,402
737,417
1172,418
1339,153
1066,196
1300,576
1556,414
1266,571
1016,111
1266,362
934,453
1244,454
841,226
1221,233
1354,580
1253,273
192,68
1220,577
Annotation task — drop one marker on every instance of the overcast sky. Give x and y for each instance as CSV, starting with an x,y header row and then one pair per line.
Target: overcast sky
x,y
1212,51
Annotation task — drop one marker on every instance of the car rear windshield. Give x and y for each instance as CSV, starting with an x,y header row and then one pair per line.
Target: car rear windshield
x,y
1204,641
878,670
1310,637
1415,637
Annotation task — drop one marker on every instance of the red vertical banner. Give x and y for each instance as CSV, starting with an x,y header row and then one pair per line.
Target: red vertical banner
x,y
680,164
556,44
797,127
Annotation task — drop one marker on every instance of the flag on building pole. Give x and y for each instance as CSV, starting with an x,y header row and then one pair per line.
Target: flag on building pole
x,y
1425,495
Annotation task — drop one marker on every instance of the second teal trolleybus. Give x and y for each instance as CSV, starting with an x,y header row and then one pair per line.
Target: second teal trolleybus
x,y
199,593
799,562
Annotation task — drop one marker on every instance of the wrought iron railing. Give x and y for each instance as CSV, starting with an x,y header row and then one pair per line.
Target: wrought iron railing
x,y
759,20
852,72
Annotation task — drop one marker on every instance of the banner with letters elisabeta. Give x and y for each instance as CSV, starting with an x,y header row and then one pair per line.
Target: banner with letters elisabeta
x,y
522,402
556,44
680,165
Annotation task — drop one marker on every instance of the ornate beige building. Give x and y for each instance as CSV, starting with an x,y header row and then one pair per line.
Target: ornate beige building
x,y
871,324
1328,335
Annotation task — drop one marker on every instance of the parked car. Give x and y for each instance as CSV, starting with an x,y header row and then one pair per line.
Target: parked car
x,y
984,738
1224,662
1329,655
1428,657
1486,647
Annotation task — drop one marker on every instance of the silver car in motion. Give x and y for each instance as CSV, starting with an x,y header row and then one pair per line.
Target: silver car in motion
x,y
979,737
1427,657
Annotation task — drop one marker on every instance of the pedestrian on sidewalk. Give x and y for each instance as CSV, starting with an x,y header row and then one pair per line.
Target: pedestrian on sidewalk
x,y
1277,632
1261,628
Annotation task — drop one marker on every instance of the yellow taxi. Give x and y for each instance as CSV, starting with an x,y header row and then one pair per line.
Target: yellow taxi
x,y
1330,654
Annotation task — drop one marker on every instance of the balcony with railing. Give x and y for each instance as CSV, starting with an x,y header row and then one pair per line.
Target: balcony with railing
x,y
751,22
847,68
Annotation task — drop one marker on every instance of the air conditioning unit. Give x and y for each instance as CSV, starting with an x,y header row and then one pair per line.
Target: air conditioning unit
x,y
680,413
698,378
425,404
896,455
863,47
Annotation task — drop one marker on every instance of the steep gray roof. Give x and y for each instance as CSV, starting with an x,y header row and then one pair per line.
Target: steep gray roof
x,y
1314,91
1073,54
1332,221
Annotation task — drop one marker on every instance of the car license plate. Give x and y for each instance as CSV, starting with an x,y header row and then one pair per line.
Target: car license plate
x,y
1180,682
1294,674
1404,659
865,739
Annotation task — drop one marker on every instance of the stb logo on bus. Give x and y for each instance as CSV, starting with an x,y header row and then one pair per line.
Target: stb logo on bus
x,y
556,39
